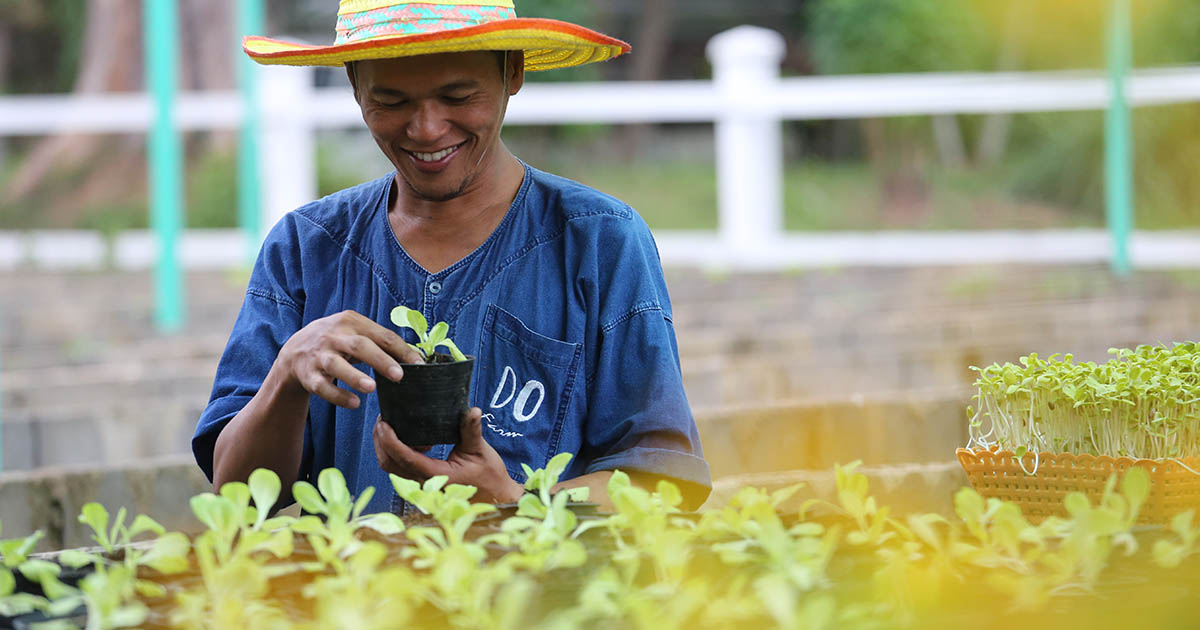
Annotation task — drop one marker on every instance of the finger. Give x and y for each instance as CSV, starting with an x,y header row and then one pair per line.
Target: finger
x,y
471,430
393,344
336,367
363,348
324,388
403,456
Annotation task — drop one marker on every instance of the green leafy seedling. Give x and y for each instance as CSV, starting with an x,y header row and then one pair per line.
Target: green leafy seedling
x,y
428,340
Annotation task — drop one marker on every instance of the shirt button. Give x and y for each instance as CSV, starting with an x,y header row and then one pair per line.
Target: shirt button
x,y
435,287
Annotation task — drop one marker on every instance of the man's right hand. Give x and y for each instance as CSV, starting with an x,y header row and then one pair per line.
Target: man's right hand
x,y
323,352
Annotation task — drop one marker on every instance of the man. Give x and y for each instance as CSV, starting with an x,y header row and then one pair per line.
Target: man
x,y
555,288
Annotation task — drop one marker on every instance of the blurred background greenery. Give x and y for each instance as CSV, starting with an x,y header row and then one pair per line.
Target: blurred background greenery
x,y
950,172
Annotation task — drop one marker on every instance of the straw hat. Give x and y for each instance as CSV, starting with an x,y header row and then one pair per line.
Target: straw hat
x,y
379,29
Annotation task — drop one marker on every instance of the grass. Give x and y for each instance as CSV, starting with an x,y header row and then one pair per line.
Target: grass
x,y
671,191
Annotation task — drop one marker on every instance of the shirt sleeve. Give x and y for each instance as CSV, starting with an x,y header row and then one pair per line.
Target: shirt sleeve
x,y
271,312
639,418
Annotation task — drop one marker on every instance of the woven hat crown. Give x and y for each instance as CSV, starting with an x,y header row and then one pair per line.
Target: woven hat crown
x,y
365,20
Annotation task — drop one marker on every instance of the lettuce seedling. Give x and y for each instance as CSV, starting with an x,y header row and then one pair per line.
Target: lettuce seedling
x,y
544,524
334,539
428,340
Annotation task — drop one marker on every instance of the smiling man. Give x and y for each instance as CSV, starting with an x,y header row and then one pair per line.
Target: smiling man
x,y
554,287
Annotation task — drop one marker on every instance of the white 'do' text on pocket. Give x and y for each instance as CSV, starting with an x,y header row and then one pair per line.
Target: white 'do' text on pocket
x,y
508,383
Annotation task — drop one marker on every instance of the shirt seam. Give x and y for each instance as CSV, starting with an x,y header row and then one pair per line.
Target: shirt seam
x,y
644,307
278,299
346,245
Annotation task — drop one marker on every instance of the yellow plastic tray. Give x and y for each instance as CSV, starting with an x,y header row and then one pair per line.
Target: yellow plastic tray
x,y
1173,488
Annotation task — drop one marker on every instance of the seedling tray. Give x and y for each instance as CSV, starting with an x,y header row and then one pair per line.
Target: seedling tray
x,y
997,474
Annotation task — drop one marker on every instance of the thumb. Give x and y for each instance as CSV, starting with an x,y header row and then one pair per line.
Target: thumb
x,y
471,430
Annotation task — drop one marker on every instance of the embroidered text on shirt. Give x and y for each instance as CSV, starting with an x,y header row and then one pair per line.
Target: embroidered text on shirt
x,y
508,380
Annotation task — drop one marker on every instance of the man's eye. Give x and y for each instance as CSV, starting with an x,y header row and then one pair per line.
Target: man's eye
x,y
456,100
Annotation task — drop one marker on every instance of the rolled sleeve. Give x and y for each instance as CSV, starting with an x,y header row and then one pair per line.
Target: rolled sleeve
x,y
640,418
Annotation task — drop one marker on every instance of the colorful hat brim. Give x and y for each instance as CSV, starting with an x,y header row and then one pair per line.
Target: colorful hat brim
x,y
548,44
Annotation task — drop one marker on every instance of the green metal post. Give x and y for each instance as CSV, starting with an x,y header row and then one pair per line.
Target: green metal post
x,y
1118,137
1,405
165,159
250,18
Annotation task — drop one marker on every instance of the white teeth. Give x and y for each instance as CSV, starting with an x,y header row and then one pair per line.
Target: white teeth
x,y
433,157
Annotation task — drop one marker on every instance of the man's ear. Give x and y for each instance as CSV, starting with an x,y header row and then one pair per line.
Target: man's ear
x,y
352,74
516,71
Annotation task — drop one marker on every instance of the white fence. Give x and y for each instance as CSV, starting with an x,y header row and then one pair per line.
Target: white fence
x,y
746,100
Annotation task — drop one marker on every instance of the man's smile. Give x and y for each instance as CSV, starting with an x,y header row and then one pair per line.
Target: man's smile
x,y
436,156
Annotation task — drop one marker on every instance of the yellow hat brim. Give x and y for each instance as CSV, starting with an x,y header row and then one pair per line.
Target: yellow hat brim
x,y
548,44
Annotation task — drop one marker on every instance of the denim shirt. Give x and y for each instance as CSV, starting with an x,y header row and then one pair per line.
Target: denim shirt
x,y
564,307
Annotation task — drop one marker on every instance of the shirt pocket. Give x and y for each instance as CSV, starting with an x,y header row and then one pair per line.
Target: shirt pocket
x,y
523,383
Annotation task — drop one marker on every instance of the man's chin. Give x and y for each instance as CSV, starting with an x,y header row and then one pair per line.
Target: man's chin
x,y
437,194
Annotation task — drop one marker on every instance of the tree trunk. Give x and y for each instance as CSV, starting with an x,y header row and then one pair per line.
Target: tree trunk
x,y
112,61
993,137
652,42
948,136
111,39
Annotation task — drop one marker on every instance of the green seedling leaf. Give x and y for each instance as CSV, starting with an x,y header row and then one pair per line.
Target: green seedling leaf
x,y
75,558
95,516
555,468
1077,504
669,493
418,323
265,487
433,484
169,555
21,604
333,487
14,551
36,570
578,494
238,495
1182,524
361,503
60,608
405,488
455,353
438,334
385,523
309,499
1135,485
142,524
216,513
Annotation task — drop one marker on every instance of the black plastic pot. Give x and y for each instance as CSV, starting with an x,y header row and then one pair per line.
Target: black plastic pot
x,y
426,406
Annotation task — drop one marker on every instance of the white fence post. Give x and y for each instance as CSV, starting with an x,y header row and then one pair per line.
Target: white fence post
x,y
287,148
749,146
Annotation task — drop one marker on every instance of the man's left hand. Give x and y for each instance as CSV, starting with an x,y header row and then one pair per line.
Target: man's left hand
x,y
472,462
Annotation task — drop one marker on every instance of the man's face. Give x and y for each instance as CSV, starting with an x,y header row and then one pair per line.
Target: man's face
x,y
437,117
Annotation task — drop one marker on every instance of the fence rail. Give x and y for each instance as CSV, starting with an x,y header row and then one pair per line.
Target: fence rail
x,y
746,101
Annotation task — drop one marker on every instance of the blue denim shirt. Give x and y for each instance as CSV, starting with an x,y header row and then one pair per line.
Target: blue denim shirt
x,y
564,306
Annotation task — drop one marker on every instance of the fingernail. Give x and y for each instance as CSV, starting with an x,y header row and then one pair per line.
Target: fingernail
x,y
395,373
354,403
366,384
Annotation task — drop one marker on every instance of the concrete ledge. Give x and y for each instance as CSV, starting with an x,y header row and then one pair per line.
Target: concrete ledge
x,y
51,499
908,488
816,435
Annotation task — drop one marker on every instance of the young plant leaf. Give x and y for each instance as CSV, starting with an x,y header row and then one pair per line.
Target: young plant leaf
x,y
265,487
309,499
95,516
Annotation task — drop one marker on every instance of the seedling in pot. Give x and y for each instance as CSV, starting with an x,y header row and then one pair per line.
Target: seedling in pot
x,y
427,405
428,340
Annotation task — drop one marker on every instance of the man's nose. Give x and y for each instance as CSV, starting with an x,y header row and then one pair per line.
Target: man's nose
x,y
428,123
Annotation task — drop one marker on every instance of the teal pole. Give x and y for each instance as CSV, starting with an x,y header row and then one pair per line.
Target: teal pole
x,y
165,159
250,17
1118,137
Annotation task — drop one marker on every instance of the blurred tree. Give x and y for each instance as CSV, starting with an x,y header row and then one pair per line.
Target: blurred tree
x,y
878,36
111,60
